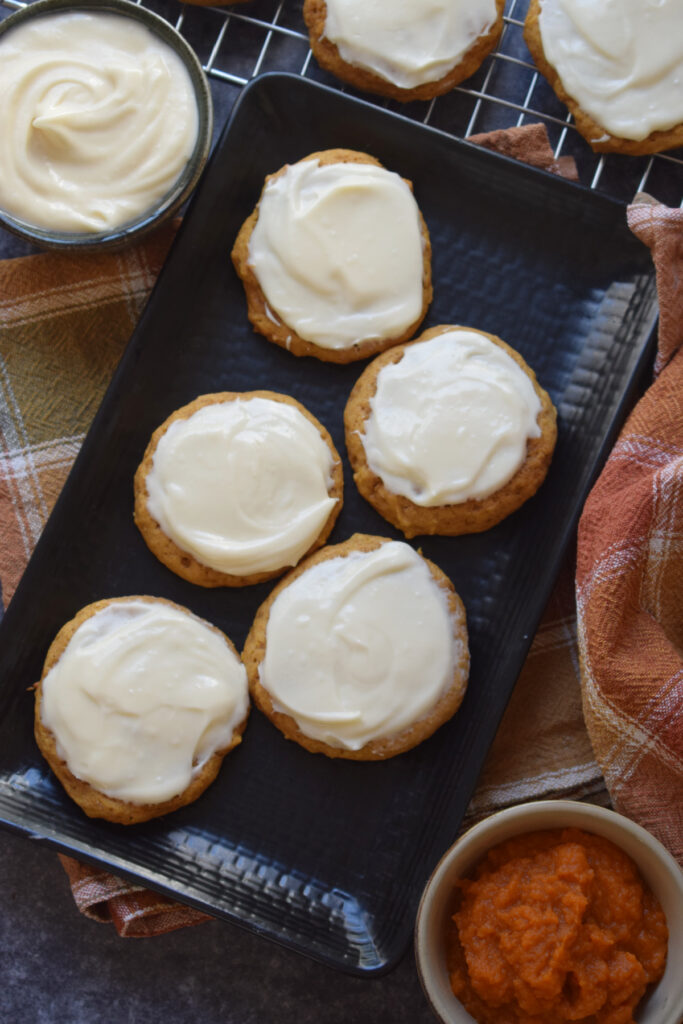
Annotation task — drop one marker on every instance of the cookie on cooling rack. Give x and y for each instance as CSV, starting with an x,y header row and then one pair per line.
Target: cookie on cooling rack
x,y
617,66
138,704
335,259
409,50
236,487
360,652
450,433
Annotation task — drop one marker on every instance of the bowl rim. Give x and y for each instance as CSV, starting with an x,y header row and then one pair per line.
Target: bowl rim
x,y
533,816
170,203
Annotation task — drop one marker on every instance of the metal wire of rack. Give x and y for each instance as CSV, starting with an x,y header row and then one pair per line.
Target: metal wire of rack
x,y
237,42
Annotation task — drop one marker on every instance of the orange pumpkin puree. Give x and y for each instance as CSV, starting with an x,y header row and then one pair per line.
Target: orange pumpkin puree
x,y
555,926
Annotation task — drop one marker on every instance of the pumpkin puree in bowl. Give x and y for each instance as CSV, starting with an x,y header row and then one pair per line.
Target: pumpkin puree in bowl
x,y
555,926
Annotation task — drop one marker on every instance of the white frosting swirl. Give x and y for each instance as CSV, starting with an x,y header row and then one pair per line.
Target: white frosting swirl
x,y
360,647
98,118
142,696
450,420
407,42
338,253
620,60
242,485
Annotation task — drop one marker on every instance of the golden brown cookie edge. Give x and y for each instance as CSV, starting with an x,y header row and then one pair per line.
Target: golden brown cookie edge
x,y
474,515
182,562
328,57
598,137
267,323
376,750
92,802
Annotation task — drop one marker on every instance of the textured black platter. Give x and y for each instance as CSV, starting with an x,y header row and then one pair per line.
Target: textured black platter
x,y
326,856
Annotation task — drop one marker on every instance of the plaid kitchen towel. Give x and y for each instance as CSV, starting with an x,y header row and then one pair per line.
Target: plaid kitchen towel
x,y
629,582
64,322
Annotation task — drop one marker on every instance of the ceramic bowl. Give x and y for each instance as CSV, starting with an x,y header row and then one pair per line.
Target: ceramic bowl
x,y
168,205
663,1005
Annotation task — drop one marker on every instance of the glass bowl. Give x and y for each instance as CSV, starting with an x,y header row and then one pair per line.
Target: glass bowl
x,y
170,203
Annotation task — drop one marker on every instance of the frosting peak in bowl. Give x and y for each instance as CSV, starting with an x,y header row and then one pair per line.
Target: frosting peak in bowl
x,y
98,117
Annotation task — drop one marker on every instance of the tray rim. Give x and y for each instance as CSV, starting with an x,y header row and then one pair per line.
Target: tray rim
x,y
178,890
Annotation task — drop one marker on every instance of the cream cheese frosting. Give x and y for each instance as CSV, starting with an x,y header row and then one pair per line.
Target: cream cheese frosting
x,y
407,42
142,696
242,485
620,60
450,421
98,118
360,647
337,250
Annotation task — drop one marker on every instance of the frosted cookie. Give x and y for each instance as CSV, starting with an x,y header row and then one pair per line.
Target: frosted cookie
x,y
335,259
360,652
236,488
137,706
450,433
617,66
406,49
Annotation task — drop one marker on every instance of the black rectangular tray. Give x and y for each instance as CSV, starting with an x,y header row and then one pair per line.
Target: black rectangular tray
x,y
328,856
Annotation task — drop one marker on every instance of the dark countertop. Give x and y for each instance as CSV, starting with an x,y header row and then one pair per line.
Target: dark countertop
x,y
58,967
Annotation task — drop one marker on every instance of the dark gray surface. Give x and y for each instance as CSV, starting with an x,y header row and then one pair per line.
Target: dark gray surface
x,y
12,246
57,967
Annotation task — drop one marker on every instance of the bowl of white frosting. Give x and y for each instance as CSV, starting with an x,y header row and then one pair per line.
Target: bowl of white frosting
x,y
106,120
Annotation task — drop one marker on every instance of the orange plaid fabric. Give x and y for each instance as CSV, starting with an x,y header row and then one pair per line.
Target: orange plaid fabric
x,y
630,575
64,322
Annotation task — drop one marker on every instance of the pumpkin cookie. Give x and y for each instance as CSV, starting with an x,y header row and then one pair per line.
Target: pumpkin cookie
x,y
412,50
360,652
450,433
335,259
235,488
137,706
617,66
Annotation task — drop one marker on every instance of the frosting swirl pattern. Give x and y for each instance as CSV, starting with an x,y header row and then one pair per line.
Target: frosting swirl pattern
x,y
450,420
142,696
98,118
337,250
620,60
360,647
242,485
407,42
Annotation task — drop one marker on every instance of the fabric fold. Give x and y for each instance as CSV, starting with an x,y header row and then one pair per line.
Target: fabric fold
x,y
135,912
661,229
629,583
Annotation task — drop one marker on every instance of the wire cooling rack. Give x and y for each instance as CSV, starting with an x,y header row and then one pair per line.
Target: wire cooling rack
x,y
239,41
